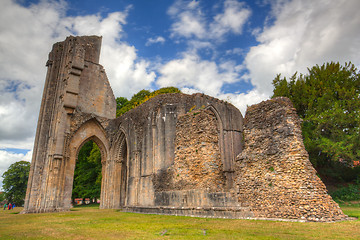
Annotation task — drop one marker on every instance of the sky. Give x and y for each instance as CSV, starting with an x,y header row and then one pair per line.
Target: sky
x,y
228,49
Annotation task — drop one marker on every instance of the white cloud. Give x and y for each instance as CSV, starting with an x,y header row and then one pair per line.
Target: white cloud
x,y
243,100
158,39
190,22
235,51
8,158
232,19
304,33
191,71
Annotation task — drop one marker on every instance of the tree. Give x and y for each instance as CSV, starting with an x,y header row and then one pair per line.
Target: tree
x,y
87,175
2,196
124,105
328,101
15,182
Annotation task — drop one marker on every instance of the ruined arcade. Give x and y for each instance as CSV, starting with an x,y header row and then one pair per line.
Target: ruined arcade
x,y
175,154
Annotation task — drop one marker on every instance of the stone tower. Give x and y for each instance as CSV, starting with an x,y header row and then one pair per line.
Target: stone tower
x,y
74,82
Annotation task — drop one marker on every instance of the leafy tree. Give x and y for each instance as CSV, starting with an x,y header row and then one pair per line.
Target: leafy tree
x,y
2,196
328,101
15,182
124,105
121,102
87,175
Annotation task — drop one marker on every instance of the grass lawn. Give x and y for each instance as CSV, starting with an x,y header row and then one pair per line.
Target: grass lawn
x,y
92,223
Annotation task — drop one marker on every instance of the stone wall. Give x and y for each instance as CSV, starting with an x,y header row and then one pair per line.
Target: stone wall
x,y
197,163
274,175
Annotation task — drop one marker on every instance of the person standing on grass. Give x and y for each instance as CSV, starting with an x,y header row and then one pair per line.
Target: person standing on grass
x,y
5,206
13,206
10,206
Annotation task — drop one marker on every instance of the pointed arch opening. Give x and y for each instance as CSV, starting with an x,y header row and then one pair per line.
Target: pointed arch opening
x,y
90,133
121,157
87,174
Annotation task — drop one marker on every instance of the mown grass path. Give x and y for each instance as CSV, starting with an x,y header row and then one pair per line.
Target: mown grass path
x,y
92,223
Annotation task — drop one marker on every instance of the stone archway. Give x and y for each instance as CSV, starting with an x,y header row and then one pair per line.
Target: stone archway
x,y
91,130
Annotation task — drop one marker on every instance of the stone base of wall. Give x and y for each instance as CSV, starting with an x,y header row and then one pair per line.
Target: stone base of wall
x,y
207,212
44,210
213,212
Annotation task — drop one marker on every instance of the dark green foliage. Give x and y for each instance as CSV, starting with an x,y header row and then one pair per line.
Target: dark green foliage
x,y
121,102
123,105
87,175
351,192
15,182
2,197
328,101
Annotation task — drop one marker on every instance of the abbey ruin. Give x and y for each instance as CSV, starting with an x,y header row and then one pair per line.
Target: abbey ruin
x,y
175,154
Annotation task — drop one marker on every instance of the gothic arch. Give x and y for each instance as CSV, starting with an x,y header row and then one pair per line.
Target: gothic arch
x,y
221,131
90,130
226,145
121,156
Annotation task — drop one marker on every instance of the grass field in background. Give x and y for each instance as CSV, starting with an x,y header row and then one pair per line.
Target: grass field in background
x,y
93,223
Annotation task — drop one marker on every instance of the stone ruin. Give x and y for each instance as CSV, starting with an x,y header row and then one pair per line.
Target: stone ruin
x,y
175,154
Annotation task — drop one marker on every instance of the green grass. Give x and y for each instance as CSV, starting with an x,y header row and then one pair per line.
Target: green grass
x,y
92,223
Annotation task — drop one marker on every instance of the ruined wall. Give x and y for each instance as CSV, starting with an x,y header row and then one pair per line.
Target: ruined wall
x,y
274,175
153,132
174,154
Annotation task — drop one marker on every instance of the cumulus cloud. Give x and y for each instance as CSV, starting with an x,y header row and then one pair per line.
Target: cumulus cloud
x,y
232,19
304,33
158,39
190,20
243,100
191,71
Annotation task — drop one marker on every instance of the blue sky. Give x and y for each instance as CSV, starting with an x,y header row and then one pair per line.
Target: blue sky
x,y
229,49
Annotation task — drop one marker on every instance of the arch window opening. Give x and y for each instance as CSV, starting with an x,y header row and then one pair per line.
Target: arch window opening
x,y
123,159
87,175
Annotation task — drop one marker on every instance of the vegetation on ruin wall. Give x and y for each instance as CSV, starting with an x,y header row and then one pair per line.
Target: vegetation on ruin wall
x,y
94,223
124,105
328,101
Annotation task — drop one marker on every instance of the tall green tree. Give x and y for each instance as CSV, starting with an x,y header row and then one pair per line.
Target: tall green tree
x,y
15,182
87,175
124,105
328,101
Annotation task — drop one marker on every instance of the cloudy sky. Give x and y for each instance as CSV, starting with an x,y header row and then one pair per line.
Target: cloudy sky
x,y
229,49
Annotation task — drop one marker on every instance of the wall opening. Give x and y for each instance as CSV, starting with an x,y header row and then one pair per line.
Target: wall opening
x,y
123,158
87,175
